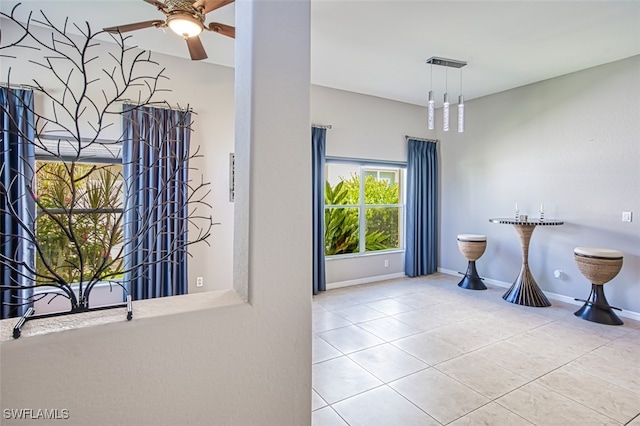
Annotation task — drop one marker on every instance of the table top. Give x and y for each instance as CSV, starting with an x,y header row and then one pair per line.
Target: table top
x,y
531,221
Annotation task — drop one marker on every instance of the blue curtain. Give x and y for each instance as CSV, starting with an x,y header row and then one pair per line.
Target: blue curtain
x,y
16,176
421,255
155,168
318,142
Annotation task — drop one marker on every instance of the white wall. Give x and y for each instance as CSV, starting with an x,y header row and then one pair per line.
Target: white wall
x,y
248,364
370,128
570,143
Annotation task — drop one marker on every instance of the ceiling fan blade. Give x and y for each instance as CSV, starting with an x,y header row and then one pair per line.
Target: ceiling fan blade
x,y
196,49
133,27
210,5
223,29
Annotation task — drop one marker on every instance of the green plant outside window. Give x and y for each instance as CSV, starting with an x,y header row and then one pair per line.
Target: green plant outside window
x,y
79,221
368,210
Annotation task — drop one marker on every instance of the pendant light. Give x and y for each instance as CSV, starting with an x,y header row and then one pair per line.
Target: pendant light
x,y
431,105
445,104
447,63
460,107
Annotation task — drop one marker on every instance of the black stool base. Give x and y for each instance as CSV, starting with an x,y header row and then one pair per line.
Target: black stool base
x,y
597,309
472,280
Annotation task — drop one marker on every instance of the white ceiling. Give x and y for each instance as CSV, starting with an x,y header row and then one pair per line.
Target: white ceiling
x,y
380,47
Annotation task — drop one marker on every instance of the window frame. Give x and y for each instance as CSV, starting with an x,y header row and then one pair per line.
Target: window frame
x,y
100,156
364,165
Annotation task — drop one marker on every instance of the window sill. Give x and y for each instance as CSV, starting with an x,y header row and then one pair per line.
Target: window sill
x,y
142,309
357,255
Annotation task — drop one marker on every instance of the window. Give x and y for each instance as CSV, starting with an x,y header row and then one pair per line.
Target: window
x,y
83,200
364,207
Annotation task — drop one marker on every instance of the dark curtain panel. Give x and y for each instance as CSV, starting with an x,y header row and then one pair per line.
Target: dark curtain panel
x,y
155,160
16,176
421,255
318,142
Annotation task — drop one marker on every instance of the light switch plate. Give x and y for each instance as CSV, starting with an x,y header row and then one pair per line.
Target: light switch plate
x,y
626,216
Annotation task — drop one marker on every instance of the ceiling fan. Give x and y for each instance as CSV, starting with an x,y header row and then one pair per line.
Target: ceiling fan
x,y
185,18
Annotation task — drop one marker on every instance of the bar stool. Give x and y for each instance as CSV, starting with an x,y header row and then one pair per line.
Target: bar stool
x,y
599,266
472,246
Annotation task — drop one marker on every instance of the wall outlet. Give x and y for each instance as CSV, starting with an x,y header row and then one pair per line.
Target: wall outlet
x,y
386,263
627,216
199,281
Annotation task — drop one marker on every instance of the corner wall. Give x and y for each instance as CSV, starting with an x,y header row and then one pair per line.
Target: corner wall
x,y
372,128
571,143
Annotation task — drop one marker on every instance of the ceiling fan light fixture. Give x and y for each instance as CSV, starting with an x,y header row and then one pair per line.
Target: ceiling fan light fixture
x,y
185,25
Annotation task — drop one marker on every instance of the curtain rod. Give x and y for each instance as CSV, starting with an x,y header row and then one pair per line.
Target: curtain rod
x,y
321,126
159,104
20,86
421,139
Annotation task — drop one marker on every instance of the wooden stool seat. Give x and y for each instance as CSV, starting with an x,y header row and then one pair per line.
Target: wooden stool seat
x,y
472,246
599,266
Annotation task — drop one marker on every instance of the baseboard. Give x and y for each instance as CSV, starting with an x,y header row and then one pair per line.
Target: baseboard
x,y
366,280
554,296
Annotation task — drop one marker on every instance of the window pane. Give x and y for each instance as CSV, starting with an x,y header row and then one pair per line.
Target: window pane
x,y
382,187
341,233
383,228
79,222
343,184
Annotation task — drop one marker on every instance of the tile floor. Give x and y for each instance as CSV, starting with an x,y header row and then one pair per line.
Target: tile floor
x,y
423,351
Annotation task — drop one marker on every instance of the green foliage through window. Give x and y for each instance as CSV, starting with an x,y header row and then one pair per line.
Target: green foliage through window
x,y
381,208
79,221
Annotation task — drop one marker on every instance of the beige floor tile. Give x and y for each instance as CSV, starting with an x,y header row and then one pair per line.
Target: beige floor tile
x,y
583,372
393,288
350,339
465,336
453,311
382,407
441,397
613,365
322,351
327,320
542,406
561,332
389,328
628,345
611,400
390,306
510,357
418,300
428,348
481,375
634,422
422,319
504,323
331,301
359,313
491,414
340,378
326,417
316,401
538,345
387,362
602,330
